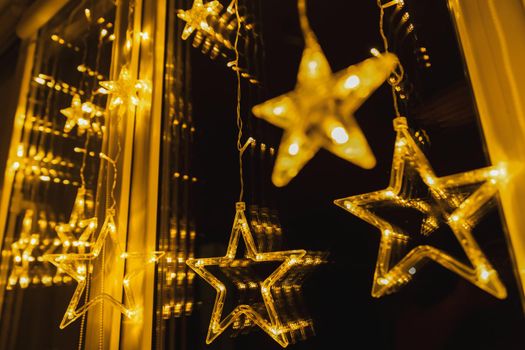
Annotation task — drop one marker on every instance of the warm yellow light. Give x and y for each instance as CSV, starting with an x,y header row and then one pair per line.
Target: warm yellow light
x,y
24,281
76,266
270,321
409,159
124,90
293,149
40,80
196,18
352,82
316,90
339,135
45,178
278,110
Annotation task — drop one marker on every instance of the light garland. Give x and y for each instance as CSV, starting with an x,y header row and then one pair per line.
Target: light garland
x,y
196,18
459,212
79,114
271,323
124,90
80,265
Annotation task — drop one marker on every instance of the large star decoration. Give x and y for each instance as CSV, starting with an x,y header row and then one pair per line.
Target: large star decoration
x,y
124,90
78,114
318,113
452,201
80,265
196,18
272,324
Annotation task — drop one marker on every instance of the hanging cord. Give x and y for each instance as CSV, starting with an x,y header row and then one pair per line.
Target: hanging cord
x,y
398,75
240,147
308,34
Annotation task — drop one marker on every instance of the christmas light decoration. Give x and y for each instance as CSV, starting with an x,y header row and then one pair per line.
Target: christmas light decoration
x,y
78,114
124,90
271,322
215,29
196,18
318,113
80,265
452,202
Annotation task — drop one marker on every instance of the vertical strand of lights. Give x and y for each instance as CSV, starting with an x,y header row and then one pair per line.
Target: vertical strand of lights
x,y
249,312
451,201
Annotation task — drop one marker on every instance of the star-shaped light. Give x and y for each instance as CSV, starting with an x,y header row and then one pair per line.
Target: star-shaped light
x,y
79,266
452,201
318,113
124,90
78,114
78,219
196,18
272,324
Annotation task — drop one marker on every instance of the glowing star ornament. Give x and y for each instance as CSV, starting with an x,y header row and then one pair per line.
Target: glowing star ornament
x,y
124,90
78,114
80,265
451,201
196,18
318,113
272,324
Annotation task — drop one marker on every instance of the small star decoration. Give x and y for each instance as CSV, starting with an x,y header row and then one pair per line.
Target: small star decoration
x,y
196,17
124,90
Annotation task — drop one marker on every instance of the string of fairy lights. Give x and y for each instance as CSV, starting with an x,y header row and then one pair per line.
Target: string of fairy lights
x,y
61,152
50,166
451,202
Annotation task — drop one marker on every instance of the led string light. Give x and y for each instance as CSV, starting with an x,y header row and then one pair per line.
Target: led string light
x,y
318,113
405,28
271,324
33,165
452,202
84,264
213,30
51,83
247,313
28,250
445,207
77,266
